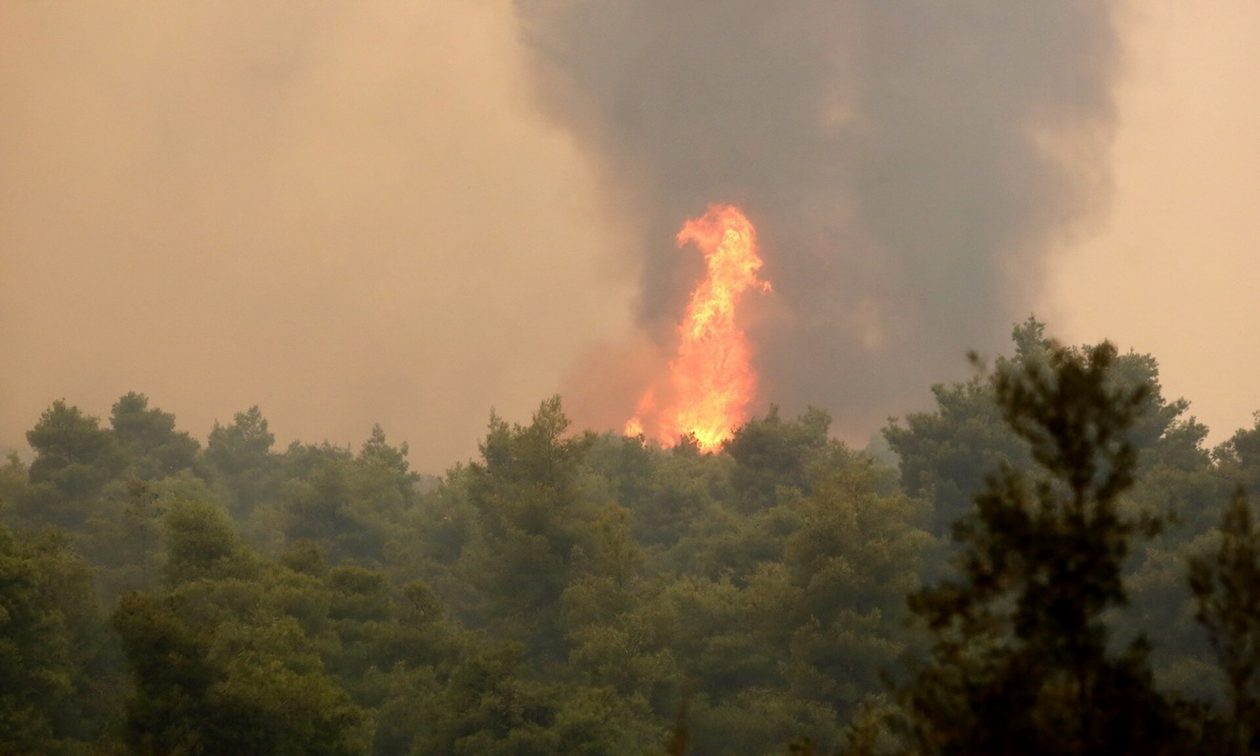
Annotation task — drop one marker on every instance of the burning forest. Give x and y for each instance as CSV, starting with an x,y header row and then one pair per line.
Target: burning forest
x,y
614,377
711,381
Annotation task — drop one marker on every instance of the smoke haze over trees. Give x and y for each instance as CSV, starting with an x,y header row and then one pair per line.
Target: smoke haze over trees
x,y
571,592
308,232
413,211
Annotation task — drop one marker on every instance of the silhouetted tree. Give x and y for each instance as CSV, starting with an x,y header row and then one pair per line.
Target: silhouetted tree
x,y
1020,662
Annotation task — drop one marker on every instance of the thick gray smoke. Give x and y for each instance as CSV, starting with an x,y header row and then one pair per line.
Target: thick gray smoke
x,y
908,164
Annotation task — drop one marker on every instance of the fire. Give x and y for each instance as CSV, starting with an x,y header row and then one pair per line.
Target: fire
x,y
711,380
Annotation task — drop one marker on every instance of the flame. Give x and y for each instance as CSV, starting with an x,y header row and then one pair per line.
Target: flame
x,y
711,380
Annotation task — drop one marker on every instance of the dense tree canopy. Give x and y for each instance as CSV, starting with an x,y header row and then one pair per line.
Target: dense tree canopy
x,y
569,592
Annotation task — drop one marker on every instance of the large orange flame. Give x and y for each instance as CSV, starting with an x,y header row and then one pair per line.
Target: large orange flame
x,y
711,380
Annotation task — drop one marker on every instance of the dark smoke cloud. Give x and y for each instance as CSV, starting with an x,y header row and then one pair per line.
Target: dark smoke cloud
x,y
908,163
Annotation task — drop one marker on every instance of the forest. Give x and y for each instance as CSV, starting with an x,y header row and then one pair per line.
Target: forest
x,y
1051,560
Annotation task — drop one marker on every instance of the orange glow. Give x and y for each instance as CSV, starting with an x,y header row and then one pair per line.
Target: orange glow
x,y
711,380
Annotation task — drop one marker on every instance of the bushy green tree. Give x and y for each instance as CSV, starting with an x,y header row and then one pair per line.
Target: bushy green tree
x,y
149,438
74,459
59,687
241,454
320,504
771,453
352,506
849,567
530,521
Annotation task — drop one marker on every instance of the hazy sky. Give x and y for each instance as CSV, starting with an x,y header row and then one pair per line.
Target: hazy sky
x,y
1173,267
358,213
346,213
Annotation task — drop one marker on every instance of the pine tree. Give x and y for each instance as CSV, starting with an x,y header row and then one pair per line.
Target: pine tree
x,y
1020,660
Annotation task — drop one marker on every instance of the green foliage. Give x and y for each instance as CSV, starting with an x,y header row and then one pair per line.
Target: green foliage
x,y
224,658
774,619
149,437
771,453
202,544
241,454
60,681
74,459
946,455
849,567
572,593
320,504
1227,594
531,524
1240,456
14,483
1020,657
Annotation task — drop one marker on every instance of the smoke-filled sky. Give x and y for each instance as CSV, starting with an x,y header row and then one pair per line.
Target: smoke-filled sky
x,y
409,213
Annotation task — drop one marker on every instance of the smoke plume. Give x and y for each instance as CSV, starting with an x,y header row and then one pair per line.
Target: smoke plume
x,y
908,165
